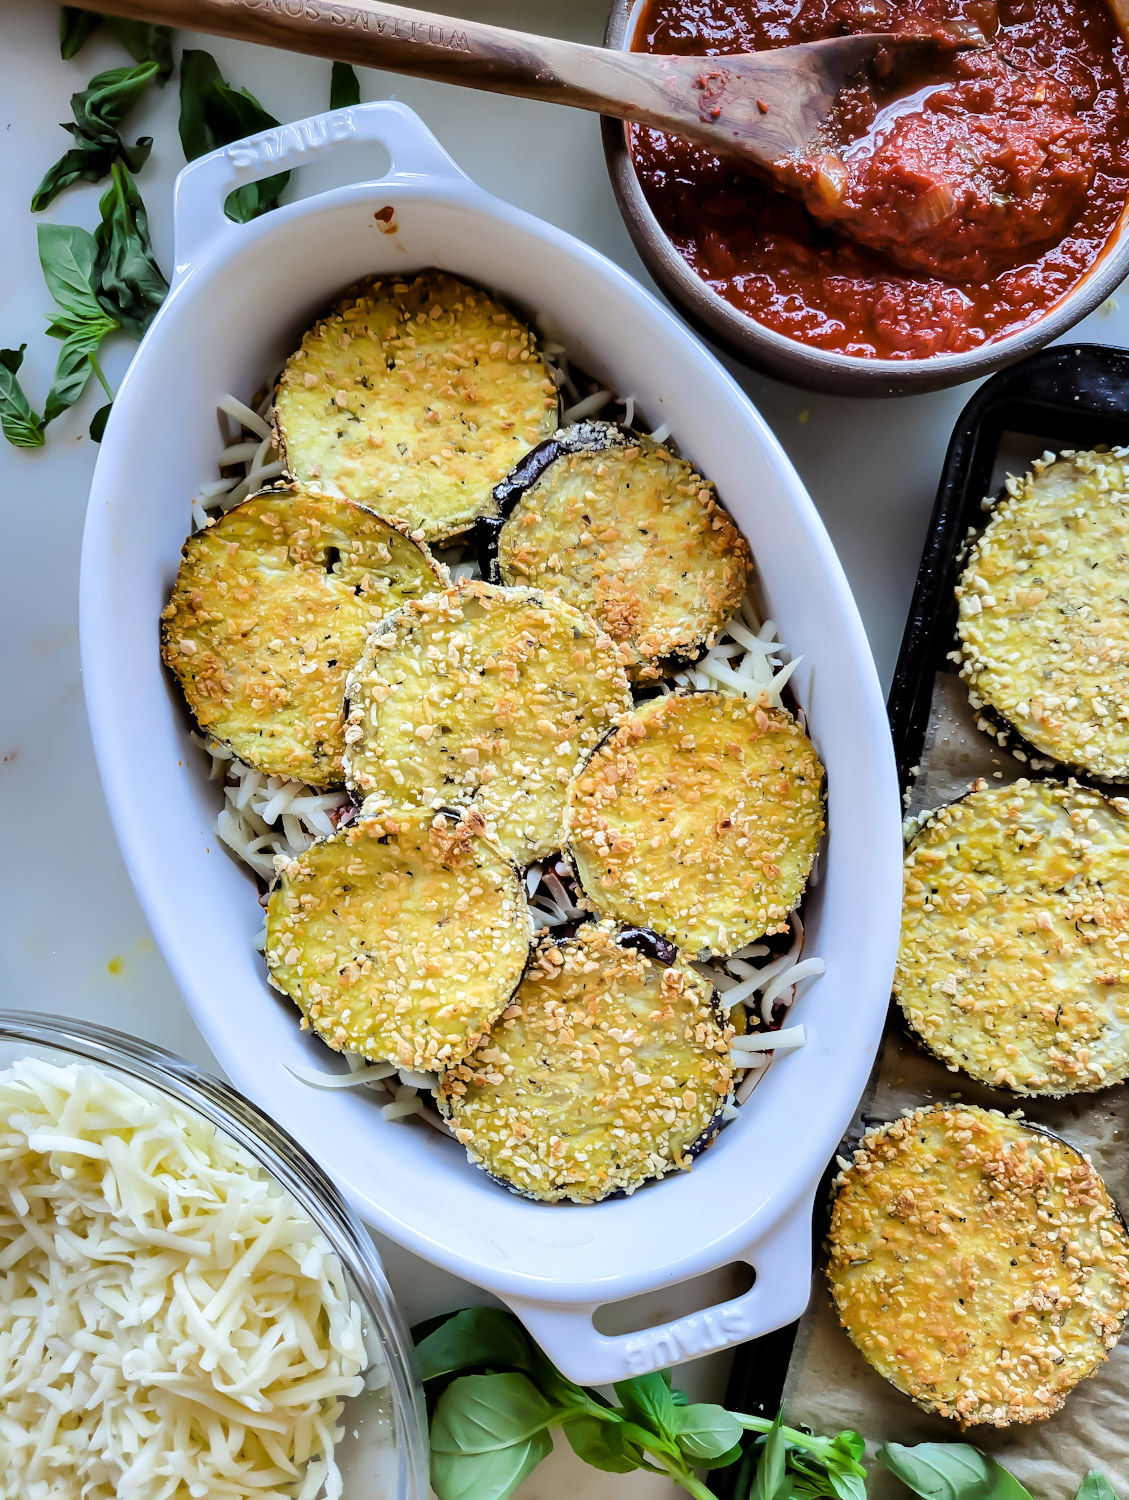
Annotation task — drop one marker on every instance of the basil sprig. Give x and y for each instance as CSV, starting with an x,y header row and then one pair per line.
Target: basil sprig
x,y
492,1427
493,1399
98,110
67,255
213,114
99,283
787,1463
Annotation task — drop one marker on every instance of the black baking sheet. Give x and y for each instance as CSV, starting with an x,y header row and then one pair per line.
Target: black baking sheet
x,y
1072,396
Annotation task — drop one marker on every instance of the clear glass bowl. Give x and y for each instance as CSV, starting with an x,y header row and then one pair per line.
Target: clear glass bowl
x,y
383,1453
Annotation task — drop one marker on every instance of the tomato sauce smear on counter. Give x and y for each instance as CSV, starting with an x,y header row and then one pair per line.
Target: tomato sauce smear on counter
x,y
1044,110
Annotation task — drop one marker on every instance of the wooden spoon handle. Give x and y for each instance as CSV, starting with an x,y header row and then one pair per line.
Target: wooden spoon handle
x,y
450,50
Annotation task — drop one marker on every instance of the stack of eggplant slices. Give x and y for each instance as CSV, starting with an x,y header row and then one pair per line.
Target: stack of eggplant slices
x,y
504,736
979,1262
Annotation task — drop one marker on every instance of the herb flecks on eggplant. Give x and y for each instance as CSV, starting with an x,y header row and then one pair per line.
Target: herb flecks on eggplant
x,y
698,817
270,609
607,1069
630,533
483,697
400,938
1015,937
415,396
1043,620
978,1263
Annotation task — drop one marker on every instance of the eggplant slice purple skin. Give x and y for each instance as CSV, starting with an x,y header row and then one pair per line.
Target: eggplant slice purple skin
x,y
662,570
851,1249
700,1041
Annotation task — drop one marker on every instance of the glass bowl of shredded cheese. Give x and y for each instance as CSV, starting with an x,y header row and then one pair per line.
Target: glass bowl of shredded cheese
x,y
188,1310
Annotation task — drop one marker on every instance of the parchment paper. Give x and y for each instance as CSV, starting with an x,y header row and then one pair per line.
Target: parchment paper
x,y
829,1384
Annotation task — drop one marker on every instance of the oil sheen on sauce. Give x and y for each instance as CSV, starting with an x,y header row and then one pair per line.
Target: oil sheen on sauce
x,y
1049,104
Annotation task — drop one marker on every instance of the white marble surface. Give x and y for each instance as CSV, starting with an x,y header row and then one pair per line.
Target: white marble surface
x,y
72,938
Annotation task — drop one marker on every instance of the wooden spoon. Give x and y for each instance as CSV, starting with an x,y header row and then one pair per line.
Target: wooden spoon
x,y
760,107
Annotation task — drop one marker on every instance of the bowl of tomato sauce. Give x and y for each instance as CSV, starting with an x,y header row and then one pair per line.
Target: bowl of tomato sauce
x,y
972,215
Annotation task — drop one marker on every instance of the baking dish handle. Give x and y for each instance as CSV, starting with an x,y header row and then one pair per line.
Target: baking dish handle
x,y
200,225
782,1264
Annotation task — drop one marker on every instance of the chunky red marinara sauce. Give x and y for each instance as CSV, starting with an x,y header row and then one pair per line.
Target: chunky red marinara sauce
x,y
1046,111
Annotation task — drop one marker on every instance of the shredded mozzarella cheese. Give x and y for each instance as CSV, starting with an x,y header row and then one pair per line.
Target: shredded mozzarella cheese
x,y
172,1326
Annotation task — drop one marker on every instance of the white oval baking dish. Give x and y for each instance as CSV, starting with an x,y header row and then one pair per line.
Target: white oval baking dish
x,y
241,296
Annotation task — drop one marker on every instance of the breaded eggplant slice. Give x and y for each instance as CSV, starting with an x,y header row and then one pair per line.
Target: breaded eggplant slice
x,y
1044,614
627,532
699,817
401,937
269,612
607,1069
482,696
1014,958
414,396
979,1264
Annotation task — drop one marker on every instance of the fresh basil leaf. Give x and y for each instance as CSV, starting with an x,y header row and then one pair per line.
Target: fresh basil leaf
x,y
74,368
680,1398
106,100
647,1400
75,27
213,114
705,1432
1096,1486
419,1331
483,1413
771,1482
478,1336
103,104
488,1476
198,71
238,113
344,87
951,1471
845,1484
722,1461
145,42
80,162
97,112
604,1445
98,422
850,1444
129,281
67,255
485,1337
487,1434
19,423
